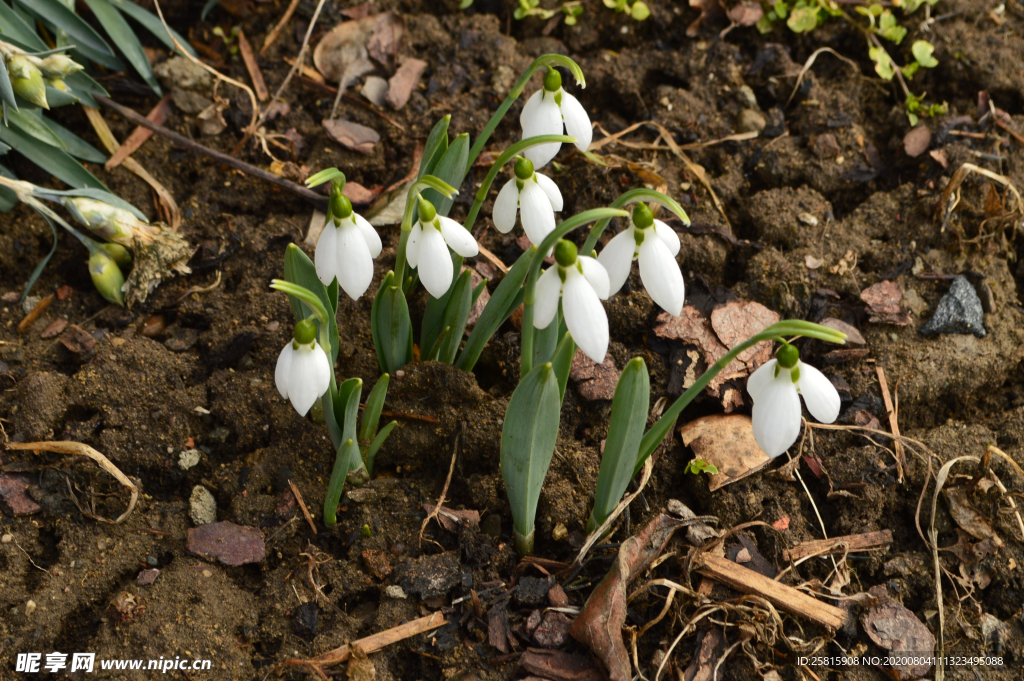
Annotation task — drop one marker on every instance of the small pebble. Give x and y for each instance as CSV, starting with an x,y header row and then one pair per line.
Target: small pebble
x,y
188,458
560,532
202,506
30,607
394,591
959,311
154,326
7,538
207,574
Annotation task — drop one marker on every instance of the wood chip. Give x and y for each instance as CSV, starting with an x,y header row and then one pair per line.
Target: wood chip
x,y
30,319
883,301
352,135
851,542
896,629
227,542
55,328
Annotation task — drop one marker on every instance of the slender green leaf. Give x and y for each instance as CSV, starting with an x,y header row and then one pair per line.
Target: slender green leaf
x,y
13,26
125,39
346,451
41,265
6,91
55,13
435,349
152,23
378,442
57,98
478,290
84,87
434,314
207,8
52,160
30,122
299,269
545,342
391,327
374,405
497,310
8,199
562,361
84,55
528,438
98,195
437,144
630,405
450,169
75,145
346,407
332,295
455,316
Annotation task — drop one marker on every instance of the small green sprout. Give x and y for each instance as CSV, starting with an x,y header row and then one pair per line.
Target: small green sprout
x,y
637,9
698,466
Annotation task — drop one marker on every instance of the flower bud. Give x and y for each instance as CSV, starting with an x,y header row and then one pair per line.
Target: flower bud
x,y
787,356
427,211
305,332
119,253
565,253
524,169
107,277
27,80
59,84
104,220
341,207
552,80
60,66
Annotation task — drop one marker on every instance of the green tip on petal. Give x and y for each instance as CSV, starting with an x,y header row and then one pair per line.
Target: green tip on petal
x,y
642,216
552,80
787,356
341,207
426,210
524,168
305,332
565,253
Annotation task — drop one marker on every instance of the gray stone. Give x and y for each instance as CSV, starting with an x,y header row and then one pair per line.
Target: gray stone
x,y
776,124
959,311
375,89
202,507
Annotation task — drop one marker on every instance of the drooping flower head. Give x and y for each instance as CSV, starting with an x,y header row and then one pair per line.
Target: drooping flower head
x,y
581,283
776,388
303,371
535,196
346,248
428,244
546,112
655,244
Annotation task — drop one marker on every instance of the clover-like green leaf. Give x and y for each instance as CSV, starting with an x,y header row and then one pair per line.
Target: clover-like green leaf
x,y
922,50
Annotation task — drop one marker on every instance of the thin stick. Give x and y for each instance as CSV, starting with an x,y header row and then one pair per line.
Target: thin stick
x,y
302,505
276,31
596,535
444,492
372,644
252,67
894,426
317,200
299,61
852,542
158,114
79,449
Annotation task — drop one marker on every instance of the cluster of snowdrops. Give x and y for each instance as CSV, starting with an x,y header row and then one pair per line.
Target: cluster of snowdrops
x,y
562,309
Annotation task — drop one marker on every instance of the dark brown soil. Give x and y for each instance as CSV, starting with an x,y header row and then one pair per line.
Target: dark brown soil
x,y
842,162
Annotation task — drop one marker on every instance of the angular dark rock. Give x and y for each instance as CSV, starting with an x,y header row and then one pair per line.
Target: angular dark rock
x,y
959,311
307,619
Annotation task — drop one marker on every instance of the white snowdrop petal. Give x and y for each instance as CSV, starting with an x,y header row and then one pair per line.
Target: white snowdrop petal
x,y
323,370
597,276
325,259
369,233
661,276
529,112
544,119
412,246
435,262
820,396
776,416
667,235
355,264
585,316
761,377
458,237
536,213
505,206
547,292
617,258
551,189
302,383
284,368
577,122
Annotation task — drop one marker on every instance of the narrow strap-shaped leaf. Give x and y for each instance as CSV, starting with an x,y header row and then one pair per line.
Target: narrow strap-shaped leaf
x,y
378,442
630,405
497,310
435,349
562,361
52,160
207,8
125,39
299,269
434,314
86,54
152,23
41,265
13,26
8,199
545,342
55,13
84,87
30,122
455,315
436,145
346,451
528,437
6,91
391,327
478,290
75,145
57,98
451,169
347,407
374,405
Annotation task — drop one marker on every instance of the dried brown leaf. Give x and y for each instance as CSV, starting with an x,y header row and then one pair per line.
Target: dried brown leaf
x,y
352,135
405,80
727,442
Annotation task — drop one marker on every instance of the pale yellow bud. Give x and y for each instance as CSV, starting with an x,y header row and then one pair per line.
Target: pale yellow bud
x,y
107,277
60,66
27,80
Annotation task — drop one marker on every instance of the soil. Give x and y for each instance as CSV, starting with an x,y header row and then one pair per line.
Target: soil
x,y
835,186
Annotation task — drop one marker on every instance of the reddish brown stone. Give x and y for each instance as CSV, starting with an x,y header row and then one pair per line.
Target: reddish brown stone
x,y
12,495
227,542
55,328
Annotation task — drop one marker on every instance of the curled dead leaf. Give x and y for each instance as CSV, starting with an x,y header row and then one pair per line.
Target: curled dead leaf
x,y
727,442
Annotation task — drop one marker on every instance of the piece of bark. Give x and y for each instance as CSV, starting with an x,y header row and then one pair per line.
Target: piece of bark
x,y
26,323
781,596
405,80
883,301
54,329
158,114
558,666
851,542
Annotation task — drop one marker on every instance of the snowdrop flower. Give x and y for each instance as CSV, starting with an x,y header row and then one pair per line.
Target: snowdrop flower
x,y
581,283
303,370
544,114
775,388
535,196
346,248
656,245
428,244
